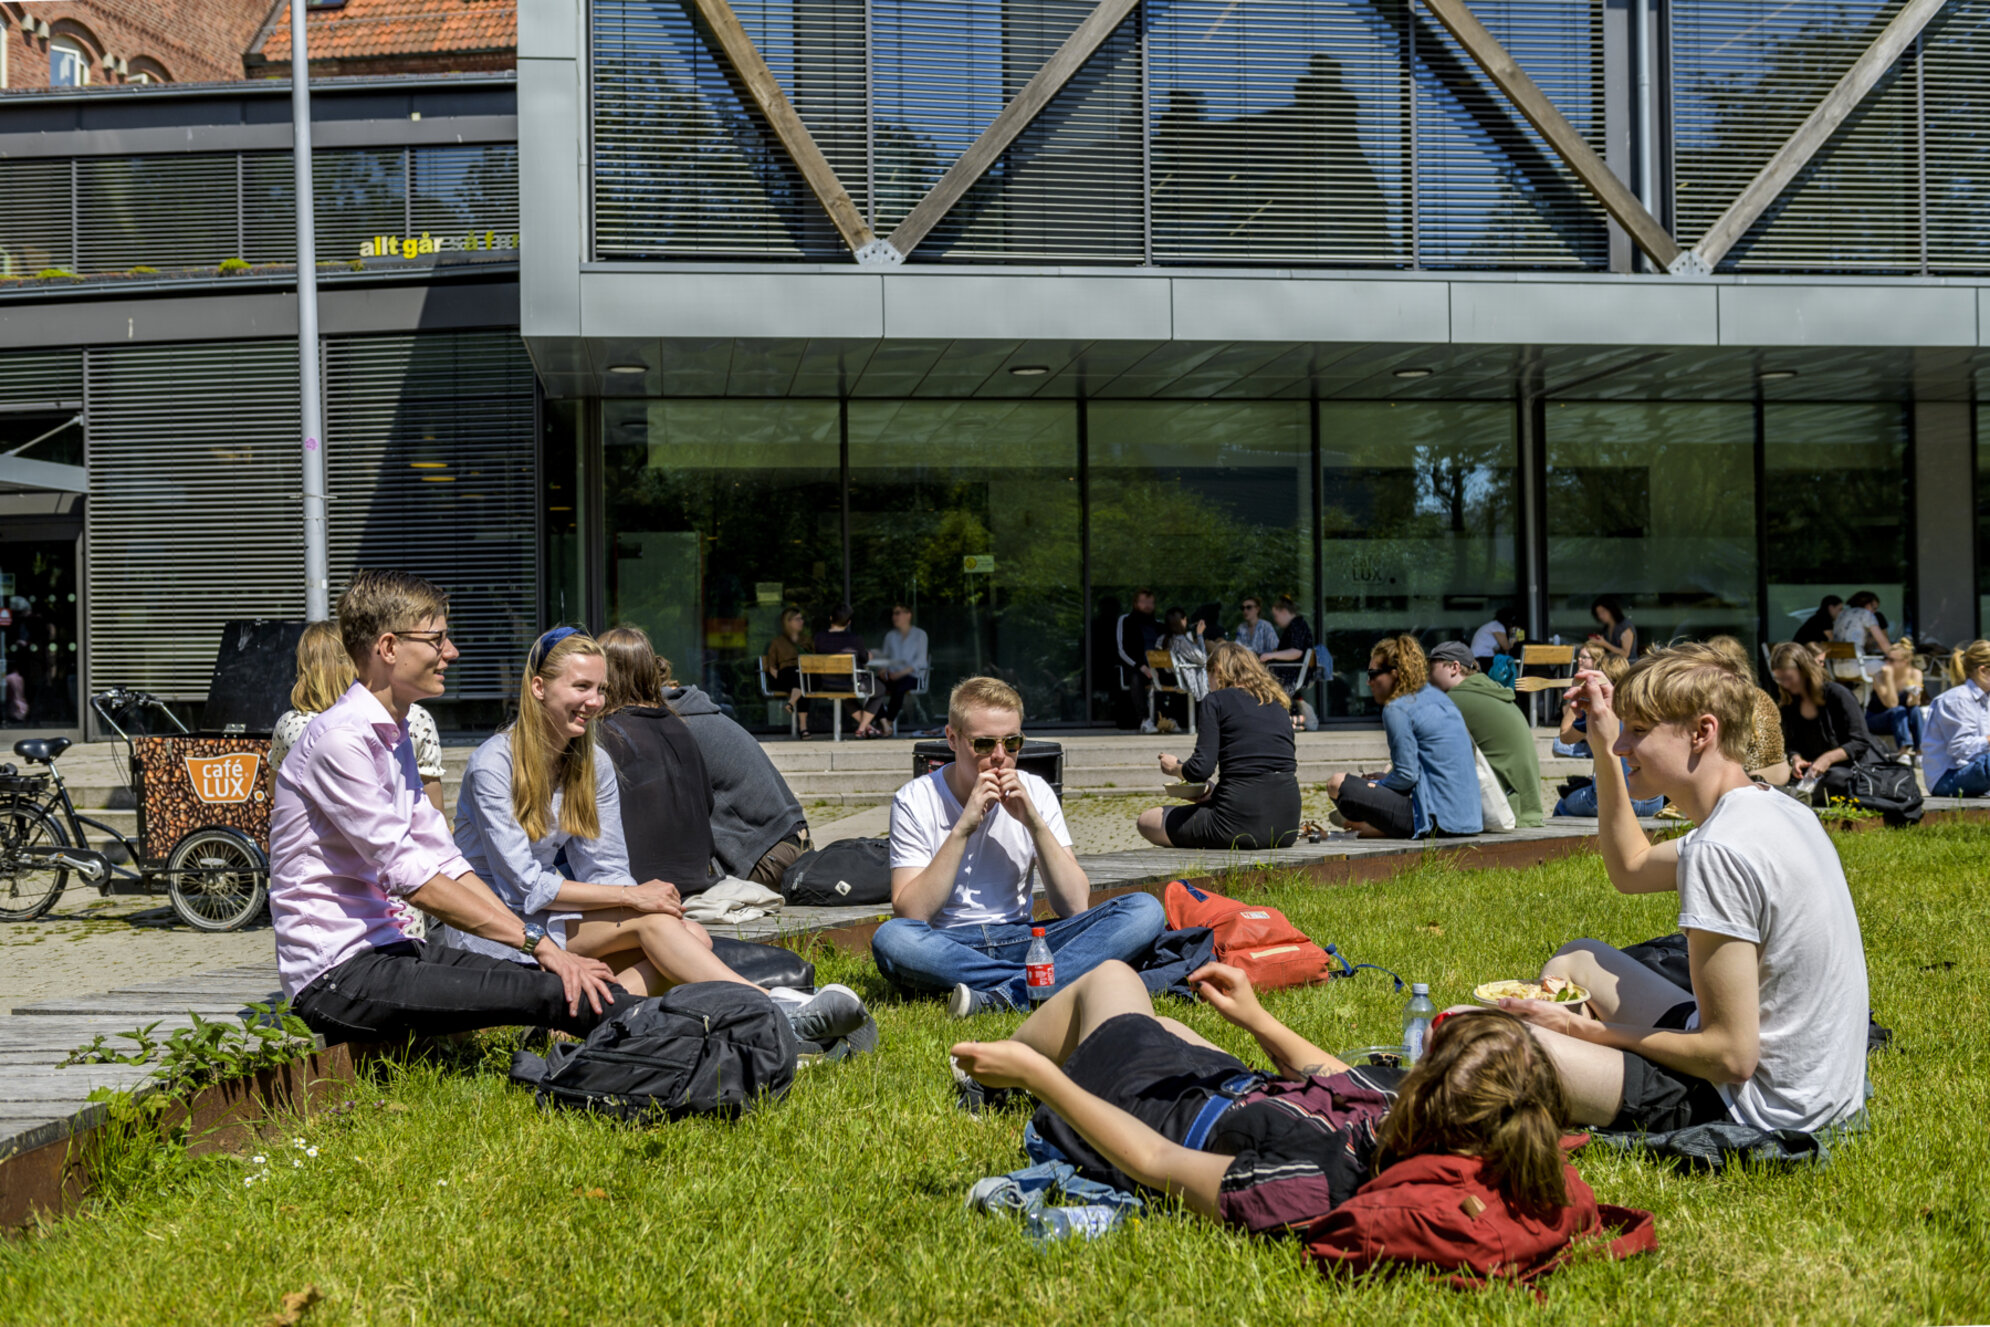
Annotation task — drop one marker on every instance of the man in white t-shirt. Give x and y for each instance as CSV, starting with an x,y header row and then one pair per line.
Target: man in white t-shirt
x,y
966,841
1773,1032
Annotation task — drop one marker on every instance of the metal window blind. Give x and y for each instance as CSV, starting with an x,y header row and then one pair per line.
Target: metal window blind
x,y
429,453
35,216
1070,186
1746,74
355,195
194,517
1955,84
155,212
1280,131
684,165
1490,192
458,191
35,377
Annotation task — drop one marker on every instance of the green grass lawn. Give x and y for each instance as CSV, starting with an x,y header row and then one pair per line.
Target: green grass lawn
x,y
445,1196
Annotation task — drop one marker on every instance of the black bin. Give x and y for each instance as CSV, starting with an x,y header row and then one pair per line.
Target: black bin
x,y
1043,759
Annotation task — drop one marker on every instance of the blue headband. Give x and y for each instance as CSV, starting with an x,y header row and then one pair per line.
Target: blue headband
x,y
544,645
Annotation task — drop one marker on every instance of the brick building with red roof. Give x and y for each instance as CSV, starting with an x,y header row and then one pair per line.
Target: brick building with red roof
x,y
392,37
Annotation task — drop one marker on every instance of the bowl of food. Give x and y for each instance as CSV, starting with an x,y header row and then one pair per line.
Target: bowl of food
x,y
1551,990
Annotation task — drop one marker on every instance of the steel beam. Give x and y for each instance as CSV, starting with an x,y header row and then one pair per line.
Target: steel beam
x,y
1616,197
1015,117
1810,136
774,107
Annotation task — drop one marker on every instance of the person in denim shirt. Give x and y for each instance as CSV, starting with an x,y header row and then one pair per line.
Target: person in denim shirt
x,y
1432,786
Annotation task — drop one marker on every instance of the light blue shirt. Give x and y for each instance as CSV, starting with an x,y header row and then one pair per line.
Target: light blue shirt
x,y
519,870
1430,755
1957,731
903,651
1260,637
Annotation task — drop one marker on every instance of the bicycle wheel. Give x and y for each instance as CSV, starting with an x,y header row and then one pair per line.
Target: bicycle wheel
x,y
29,886
217,880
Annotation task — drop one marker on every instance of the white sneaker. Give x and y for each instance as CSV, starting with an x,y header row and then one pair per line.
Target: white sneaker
x,y
1149,726
965,1002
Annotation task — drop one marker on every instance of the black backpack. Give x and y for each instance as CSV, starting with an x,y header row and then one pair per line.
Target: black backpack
x,y
709,1048
1890,790
847,873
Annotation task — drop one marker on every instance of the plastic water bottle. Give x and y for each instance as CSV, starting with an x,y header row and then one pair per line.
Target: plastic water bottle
x,y
1416,1022
1046,1225
1039,968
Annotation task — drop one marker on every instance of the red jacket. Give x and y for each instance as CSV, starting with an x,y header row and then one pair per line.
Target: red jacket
x,y
1437,1212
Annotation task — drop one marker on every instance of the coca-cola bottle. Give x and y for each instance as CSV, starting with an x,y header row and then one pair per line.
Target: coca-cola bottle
x,y
1039,967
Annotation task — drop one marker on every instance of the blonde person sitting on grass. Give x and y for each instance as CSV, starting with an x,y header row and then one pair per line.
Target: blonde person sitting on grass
x,y
541,792
1772,1032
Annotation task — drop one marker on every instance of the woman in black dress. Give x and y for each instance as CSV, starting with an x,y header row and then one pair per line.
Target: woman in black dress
x,y
666,791
1244,730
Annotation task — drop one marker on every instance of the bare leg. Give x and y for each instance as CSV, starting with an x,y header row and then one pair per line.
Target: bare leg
x,y
1071,1015
1187,1033
1153,826
1592,1076
679,951
1333,786
1363,830
1621,989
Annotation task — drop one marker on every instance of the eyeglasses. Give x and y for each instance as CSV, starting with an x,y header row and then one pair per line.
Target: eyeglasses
x,y
435,640
985,746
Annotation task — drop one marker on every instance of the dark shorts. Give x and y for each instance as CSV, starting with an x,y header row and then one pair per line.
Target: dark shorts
x,y
1372,804
1247,816
1658,1099
1148,1072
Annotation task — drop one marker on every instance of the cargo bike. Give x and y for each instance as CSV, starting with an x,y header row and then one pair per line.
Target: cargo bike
x,y
203,821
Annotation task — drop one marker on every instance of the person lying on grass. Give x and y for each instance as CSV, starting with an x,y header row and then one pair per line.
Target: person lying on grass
x,y
1141,1102
540,801
1773,1032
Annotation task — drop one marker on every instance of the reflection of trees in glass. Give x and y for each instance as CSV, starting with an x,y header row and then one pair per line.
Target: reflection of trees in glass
x,y
1654,504
1837,493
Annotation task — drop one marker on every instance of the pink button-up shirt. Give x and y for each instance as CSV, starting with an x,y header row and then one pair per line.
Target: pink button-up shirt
x,y
350,829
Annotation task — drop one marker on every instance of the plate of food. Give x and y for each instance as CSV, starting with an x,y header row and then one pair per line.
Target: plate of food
x,y
1186,792
1554,990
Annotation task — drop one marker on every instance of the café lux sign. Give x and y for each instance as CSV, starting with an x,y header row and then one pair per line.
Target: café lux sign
x,y
229,778
420,246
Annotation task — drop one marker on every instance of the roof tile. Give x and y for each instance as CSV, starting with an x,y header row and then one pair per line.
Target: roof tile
x,y
371,29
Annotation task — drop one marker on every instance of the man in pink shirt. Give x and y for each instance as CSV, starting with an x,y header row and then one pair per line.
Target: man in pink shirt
x,y
351,830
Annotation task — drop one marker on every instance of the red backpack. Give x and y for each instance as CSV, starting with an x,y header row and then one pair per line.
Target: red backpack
x,y
1270,950
1437,1213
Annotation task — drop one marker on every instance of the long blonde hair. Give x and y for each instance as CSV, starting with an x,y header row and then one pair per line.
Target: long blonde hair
x,y
543,760
324,669
1231,665
1967,660
1405,655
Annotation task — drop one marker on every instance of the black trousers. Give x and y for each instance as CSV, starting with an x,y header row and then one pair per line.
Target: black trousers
x,y
896,690
430,990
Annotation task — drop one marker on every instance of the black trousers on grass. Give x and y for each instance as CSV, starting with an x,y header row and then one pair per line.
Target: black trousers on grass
x,y
432,991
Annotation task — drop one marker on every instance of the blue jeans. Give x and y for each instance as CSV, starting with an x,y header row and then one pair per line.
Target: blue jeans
x,y
1902,723
1582,802
1571,750
988,957
1971,780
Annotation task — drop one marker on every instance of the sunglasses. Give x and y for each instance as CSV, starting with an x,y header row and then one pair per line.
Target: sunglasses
x,y
1379,672
985,746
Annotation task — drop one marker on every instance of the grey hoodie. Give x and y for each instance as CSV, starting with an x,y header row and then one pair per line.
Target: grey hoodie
x,y
752,809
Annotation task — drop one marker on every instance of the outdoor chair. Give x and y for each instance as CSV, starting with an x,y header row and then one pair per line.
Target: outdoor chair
x,y
922,682
1293,674
1560,657
1842,662
772,692
836,678
1170,679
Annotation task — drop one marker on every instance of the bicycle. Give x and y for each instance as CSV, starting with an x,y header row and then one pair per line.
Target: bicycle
x,y
216,875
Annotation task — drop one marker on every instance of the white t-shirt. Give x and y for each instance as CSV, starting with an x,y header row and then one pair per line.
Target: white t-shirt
x,y
1852,626
1761,869
1485,641
993,883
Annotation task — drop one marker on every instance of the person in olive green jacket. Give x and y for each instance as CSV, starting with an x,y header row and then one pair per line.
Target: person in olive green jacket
x,y
1497,726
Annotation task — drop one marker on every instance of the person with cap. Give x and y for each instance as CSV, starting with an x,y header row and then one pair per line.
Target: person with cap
x,y
1497,726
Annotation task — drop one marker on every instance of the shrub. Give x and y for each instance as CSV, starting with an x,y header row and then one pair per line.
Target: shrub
x,y
50,273
142,270
230,266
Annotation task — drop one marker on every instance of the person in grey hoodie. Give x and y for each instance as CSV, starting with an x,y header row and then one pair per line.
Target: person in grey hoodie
x,y
758,828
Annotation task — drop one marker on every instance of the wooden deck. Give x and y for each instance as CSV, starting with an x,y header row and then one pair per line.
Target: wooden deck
x,y
41,1103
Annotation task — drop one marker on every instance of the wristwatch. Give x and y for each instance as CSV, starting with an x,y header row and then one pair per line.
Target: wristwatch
x,y
534,933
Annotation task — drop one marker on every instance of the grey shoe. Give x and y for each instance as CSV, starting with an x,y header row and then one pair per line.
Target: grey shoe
x,y
973,1098
966,1002
835,1014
